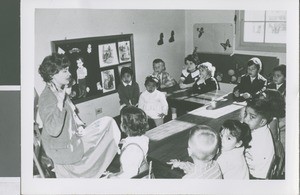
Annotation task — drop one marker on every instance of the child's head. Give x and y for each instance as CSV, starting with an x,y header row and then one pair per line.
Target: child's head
x,y
134,121
126,74
207,70
235,134
191,63
279,74
203,143
80,61
151,83
254,67
159,65
257,113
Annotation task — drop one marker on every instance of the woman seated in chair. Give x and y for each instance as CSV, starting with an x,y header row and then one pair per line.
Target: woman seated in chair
x,y
77,150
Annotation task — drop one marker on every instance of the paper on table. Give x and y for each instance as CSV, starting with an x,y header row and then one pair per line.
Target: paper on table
x,y
216,113
168,129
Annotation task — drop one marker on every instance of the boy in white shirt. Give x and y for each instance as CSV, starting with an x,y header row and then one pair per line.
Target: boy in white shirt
x,y
259,156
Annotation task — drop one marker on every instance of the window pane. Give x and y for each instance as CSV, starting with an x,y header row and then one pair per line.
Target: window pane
x,y
254,32
275,32
276,16
254,16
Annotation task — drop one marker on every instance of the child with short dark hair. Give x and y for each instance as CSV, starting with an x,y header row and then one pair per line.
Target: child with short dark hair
x,y
128,89
165,80
81,77
206,81
279,79
202,147
235,137
190,74
133,157
153,102
259,156
251,83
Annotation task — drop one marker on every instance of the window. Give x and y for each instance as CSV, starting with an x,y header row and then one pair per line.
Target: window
x,y
261,31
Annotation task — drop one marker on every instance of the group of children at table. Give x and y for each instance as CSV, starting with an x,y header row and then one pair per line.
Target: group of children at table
x,y
240,150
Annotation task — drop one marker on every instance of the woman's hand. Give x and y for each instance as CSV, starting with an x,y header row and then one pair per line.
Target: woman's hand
x,y
236,93
60,95
161,115
246,95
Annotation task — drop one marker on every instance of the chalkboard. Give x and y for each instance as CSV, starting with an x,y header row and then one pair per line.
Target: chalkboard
x,y
96,63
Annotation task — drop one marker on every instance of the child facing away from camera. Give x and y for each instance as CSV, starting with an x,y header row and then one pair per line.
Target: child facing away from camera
x,y
251,83
153,102
203,145
133,157
190,74
279,79
128,89
260,154
164,78
235,137
206,81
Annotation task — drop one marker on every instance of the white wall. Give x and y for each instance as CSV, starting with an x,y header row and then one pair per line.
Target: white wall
x,y
218,16
145,26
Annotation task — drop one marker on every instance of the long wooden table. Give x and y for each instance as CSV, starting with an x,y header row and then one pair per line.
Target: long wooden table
x,y
170,140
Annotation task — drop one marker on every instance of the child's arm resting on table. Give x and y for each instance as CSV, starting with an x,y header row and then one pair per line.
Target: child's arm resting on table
x,y
185,166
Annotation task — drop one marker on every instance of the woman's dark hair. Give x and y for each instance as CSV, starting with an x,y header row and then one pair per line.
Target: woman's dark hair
x,y
276,101
134,121
191,58
240,131
261,107
152,79
52,64
125,70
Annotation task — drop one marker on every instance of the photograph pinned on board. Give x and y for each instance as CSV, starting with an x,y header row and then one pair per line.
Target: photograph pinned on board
x,y
108,80
124,51
107,55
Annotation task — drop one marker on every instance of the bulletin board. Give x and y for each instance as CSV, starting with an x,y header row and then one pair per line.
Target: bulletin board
x,y
216,38
96,63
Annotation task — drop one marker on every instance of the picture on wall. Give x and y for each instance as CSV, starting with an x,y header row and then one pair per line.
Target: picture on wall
x,y
124,51
107,55
108,80
125,65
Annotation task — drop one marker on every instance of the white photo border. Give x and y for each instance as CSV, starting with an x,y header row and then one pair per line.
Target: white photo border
x,y
29,185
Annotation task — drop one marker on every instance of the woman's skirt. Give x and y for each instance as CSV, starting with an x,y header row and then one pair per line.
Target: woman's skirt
x,y
100,143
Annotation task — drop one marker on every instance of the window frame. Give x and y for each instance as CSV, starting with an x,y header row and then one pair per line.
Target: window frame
x,y
253,46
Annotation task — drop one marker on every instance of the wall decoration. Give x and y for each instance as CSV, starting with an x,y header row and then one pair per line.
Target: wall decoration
x,y
208,36
108,80
89,48
226,44
124,51
161,39
102,57
172,39
201,31
108,55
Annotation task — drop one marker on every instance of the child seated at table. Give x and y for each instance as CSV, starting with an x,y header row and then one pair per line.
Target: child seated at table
x,y
235,137
260,154
251,83
128,89
164,78
134,123
279,78
206,81
190,74
153,102
202,147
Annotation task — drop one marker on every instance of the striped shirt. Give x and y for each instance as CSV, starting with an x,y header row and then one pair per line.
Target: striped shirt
x,y
210,170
